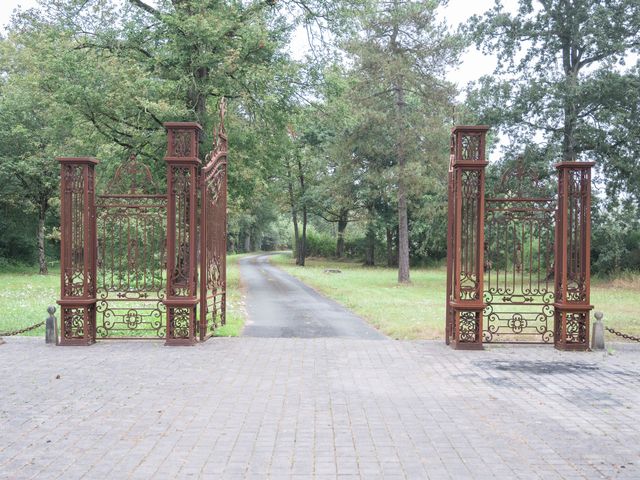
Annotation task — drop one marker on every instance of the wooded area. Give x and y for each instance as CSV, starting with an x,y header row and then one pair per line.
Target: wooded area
x,y
342,154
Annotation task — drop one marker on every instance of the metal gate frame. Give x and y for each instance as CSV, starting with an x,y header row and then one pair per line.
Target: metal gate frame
x,y
187,183
465,248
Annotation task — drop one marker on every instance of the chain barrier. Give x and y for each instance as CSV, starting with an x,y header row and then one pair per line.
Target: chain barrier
x,y
623,335
22,330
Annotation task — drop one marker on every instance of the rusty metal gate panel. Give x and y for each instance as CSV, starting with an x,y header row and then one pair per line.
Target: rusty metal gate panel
x,y
129,256
213,234
131,237
518,265
519,228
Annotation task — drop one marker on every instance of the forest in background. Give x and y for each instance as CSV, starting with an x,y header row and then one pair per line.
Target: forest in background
x,y
342,154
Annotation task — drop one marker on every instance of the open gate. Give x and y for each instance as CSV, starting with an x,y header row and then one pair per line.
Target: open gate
x,y
518,266
140,263
213,235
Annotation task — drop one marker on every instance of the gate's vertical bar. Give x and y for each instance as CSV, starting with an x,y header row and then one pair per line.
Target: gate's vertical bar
x,y
465,255
204,213
221,240
182,204
573,259
78,251
450,245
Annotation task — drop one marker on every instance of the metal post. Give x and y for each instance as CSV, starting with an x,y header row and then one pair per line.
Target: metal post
x,y
572,256
465,253
51,336
597,338
182,204
78,251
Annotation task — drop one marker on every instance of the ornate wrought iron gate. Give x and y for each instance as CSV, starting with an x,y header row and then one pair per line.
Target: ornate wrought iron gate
x,y
213,235
130,258
131,222
518,259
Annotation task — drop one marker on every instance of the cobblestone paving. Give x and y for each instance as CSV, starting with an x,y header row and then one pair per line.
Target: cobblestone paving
x,y
316,408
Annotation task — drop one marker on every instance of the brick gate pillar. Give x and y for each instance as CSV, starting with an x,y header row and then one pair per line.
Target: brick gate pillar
x,y
572,263
78,251
465,252
182,205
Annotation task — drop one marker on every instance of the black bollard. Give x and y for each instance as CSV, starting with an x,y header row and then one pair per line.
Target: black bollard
x,y
50,335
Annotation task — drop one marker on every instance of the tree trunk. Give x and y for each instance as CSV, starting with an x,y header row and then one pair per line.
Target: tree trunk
x,y
403,222
247,242
370,241
370,249
392,258
342,225
570,64
302,250
294,219
42,215
294,215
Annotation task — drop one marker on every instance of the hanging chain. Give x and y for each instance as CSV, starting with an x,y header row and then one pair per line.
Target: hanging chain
x,y
22,330
623,335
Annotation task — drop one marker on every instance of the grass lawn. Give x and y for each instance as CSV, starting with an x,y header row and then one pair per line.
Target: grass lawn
x,y
25,295
416,311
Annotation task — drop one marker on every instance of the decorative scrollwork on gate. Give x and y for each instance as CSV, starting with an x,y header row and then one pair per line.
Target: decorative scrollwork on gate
x,y
74,273
576,328
73,322
576,271
182,143
470,144
469,277
519,259
469,327
132,177
213,231
181,188
131,237
520,180
179,322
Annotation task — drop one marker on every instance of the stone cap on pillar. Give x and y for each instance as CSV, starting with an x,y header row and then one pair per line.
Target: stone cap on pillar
x,y
183,142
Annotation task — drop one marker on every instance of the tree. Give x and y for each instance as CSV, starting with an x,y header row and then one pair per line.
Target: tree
x,y
123,68
561,80
402,54
334,196
34,130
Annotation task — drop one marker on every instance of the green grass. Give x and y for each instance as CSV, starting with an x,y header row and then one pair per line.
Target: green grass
x,y
25,296
235,307
416,311
400,311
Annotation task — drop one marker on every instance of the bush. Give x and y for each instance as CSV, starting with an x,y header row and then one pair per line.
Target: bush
x,y
318,244
615,241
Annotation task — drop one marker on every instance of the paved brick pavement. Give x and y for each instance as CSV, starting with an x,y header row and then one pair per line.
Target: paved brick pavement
x,y
316,408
